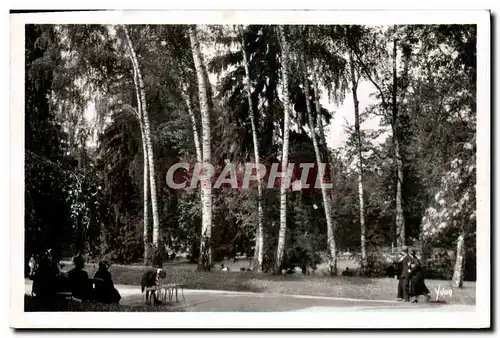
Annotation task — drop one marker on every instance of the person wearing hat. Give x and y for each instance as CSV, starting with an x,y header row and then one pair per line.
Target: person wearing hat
x,y
105,290
403,284
80,285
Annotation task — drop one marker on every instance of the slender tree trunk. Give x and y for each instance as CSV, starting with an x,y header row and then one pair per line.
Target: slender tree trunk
x,y
104,244
149,146
333,196
145,234
326,202
284,159
196,136
206,229
458,271
400,221
259,235
145,178
354,81
145,172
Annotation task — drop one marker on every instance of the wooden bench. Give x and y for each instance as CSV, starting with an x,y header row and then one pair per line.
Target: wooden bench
x,y
164,291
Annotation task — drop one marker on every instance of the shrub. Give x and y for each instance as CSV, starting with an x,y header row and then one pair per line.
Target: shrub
x,y
376,266
439,266
302,258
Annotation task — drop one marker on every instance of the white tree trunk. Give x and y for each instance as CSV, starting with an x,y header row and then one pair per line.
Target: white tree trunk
x,y
354,81
147,134
206,230
458,271
330,232
139,116
145,178
326,202
284,159
196,137
259,234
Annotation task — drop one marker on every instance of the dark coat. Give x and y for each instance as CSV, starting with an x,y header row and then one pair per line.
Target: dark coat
x,y
106,291
81,287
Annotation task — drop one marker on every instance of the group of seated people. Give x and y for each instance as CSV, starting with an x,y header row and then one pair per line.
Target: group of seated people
x,y
49,280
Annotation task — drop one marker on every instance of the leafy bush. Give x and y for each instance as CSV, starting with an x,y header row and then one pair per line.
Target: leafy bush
x,y
376,266
439,266
302,258
127,247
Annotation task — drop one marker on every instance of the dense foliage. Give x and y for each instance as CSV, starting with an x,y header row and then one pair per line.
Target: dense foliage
x,y
84,176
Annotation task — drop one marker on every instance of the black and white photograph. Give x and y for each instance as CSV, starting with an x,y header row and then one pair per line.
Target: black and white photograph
x,y
250,169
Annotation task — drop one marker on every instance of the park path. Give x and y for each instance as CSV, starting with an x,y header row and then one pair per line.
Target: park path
x,y
230,301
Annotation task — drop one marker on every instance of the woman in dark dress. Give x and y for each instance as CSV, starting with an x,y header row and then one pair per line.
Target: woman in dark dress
x,y
417,280
79,282
105,290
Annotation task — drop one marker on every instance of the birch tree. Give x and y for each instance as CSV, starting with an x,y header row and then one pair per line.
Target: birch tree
x,y
259,234
326,201
284,156
204,262
146,129
354,83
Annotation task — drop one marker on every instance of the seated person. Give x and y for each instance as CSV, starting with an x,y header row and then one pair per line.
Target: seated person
x,y
347,272
105,291
79,282
152,278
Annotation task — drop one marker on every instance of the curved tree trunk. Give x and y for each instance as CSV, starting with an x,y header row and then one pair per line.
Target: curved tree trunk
x,y
400,221
284,159
354,81
326,202
149,146
147,136
259,235
145,177
145,234
139,114
331,232
206,229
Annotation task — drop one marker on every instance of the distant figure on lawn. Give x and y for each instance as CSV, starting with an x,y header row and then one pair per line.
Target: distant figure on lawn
x,y
80,285
105,291
347,272
224,268
152,278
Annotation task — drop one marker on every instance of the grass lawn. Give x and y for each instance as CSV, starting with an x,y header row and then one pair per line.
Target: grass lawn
x,y
298,284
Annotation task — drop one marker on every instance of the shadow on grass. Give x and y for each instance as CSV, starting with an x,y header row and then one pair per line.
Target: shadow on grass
x,y
437,302
31,305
